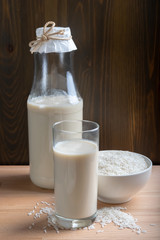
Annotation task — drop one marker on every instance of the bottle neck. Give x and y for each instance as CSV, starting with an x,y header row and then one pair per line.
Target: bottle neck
x,y
52,63
53,74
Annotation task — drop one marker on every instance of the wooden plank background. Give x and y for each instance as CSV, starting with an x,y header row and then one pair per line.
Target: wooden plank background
x,y
116,68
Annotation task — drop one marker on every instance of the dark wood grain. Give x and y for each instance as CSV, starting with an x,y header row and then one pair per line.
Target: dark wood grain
x,y
116,69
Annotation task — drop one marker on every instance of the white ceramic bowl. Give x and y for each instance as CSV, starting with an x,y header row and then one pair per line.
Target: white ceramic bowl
x,y
120,189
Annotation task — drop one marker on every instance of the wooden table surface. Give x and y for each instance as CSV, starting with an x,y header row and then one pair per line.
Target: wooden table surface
x,y
18,196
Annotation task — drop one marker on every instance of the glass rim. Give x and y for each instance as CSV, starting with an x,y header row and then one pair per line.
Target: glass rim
x,y
74,121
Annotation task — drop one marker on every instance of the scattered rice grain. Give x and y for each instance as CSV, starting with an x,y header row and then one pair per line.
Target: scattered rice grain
x,y
104,217
100,231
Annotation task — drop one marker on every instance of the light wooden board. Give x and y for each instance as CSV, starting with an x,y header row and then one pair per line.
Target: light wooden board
x,y
18,196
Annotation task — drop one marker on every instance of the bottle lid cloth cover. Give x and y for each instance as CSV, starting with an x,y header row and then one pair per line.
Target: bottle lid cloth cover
x,y
52,39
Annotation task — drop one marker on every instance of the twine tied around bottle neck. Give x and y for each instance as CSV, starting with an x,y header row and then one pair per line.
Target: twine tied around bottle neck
x,y
36,44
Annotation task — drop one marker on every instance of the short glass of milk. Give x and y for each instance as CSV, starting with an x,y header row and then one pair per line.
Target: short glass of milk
x,y
75,149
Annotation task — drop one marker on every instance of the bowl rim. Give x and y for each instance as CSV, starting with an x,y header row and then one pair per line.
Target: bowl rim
x,y
133,174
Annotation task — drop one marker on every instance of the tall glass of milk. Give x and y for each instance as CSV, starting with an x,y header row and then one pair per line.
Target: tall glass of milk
x,y
75,149
53,97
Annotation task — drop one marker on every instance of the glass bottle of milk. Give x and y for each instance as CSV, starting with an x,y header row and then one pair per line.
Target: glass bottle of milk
x,y
54,97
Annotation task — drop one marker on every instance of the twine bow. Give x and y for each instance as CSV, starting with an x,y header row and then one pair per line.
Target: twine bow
x,y
36,44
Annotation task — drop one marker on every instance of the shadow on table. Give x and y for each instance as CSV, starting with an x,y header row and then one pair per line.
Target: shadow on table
x,y
23,229
20,182
37,231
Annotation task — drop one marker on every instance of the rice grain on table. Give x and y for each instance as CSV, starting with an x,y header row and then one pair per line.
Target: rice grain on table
x,y
104,217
